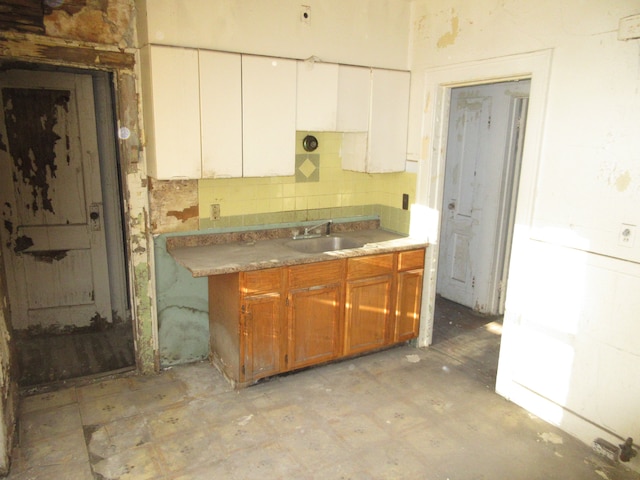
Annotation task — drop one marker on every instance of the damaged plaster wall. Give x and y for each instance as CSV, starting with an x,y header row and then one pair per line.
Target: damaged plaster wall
x,y
182,301
569,349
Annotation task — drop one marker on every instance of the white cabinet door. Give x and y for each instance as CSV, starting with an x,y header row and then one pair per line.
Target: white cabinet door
x,y
354,98
317,96
221,114
388,126
268,116
172,112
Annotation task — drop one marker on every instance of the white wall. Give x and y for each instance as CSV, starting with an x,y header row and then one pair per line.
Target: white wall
x,y
570,346
362,32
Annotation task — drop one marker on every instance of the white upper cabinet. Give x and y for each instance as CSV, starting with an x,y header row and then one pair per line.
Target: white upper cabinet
x,y
172,112
389,122
212,114
384,96
221,114
268,116
354,99
317,96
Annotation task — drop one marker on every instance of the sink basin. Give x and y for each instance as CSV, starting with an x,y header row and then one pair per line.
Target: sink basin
x,y
322,244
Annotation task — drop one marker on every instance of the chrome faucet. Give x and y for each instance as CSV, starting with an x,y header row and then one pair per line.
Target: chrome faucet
x,y
307,230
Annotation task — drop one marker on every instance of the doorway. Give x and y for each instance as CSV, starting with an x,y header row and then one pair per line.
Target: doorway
x,y
485,139
484,152
63,243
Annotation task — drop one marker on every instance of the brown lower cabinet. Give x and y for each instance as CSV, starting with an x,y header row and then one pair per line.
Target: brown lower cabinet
x,y
271,321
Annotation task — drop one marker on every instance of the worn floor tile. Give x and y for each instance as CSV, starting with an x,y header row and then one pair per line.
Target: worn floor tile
x,y
400,414
50,423
190,449
67,471
68,448
116,437
133,464
48,400
105,409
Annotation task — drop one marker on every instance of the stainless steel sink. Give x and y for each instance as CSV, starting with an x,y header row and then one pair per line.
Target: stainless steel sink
x,y
322,244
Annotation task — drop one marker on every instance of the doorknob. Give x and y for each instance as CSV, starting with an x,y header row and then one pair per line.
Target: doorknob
x,y
94,216
452,206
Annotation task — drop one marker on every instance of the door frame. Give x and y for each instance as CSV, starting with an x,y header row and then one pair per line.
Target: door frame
x,y
506,194
138,245
438,83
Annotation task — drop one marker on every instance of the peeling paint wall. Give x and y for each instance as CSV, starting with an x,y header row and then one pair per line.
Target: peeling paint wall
x,y
174,205
569,348
107,22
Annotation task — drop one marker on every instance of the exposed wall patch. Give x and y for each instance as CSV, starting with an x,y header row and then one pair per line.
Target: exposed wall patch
x,y
449,38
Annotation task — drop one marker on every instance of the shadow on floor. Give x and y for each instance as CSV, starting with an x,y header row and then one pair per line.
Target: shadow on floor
x,y
46,359
467,336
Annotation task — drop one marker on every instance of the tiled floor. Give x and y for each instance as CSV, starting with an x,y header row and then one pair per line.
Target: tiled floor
x,y
403,413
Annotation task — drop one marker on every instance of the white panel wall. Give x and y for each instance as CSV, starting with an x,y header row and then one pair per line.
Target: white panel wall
x,y
359,32
570,349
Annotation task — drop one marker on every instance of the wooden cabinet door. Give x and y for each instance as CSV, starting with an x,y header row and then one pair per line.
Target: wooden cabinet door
x,y
262,336
314,325
409,296
367,314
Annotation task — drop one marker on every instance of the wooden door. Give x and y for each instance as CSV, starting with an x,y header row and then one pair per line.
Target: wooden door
x,y
314,323
474,203
261,325
53,236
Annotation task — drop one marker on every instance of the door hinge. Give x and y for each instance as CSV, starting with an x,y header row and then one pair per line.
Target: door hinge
x,y
286,359
286,302
243,372
489,122
243,309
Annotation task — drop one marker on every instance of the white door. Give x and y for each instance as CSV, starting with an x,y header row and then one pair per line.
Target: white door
x,y
483,125
53,238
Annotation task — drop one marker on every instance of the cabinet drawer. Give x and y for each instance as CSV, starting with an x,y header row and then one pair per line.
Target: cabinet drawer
x,y
370,266
261,281
411,259
316,274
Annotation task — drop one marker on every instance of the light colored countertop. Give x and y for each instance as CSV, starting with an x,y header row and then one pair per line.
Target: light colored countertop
x,y
250,254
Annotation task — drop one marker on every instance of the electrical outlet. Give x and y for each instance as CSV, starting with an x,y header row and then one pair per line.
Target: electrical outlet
x,y
215,211
305,14
627,235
